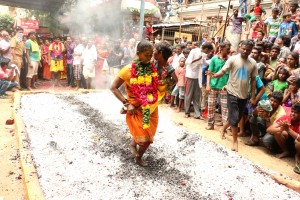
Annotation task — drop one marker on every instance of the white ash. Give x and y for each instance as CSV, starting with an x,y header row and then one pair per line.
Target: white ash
x,y
80,147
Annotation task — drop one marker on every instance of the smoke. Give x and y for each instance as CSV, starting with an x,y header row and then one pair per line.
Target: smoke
x,y
91,17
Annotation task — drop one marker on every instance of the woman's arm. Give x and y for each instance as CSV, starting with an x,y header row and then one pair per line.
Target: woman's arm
x,y
174,79
286,95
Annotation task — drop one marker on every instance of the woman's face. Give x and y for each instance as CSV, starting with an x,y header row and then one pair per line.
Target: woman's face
x,y
281,61
145,56
291,61
156,54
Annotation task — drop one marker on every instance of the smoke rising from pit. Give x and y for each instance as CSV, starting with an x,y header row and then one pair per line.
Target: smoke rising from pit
x,y
91,17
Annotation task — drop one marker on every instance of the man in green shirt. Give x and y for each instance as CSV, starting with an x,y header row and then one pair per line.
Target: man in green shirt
x,y
215,86
33,55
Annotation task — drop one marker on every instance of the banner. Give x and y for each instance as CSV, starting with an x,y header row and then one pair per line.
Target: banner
x,y
29,24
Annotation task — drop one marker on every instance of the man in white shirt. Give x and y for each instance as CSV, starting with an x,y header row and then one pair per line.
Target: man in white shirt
x,y
5,45
77,61
89,58
177,56
194,64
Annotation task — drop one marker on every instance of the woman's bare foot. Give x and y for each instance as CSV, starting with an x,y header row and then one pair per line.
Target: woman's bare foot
x,y
283,154
235,146
140,162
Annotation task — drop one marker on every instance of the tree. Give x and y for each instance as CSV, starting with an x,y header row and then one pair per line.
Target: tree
x,y
6,22
52,20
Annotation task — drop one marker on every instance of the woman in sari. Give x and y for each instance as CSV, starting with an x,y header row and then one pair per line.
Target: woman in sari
x,y
145,84
45,61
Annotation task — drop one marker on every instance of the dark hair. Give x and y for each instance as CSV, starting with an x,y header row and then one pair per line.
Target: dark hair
x,y
258,49
296,107
18,28
260,44
207,45
197,44
286,40
164,48
298,82
295,3
262,32
186,50
224,44
188,42
4,62
276,48
295,55
275,10
247,43
268,45
143,46
277,95
284,71
31,33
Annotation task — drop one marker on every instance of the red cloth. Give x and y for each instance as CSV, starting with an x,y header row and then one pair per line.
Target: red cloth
x,y
45,63
257,10
295,126
4,74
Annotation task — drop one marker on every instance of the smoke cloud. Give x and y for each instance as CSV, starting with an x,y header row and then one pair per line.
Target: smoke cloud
x,y
90,17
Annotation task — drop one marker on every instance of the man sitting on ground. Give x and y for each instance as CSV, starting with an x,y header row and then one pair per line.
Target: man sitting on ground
x,y
286,131
260,123
7,78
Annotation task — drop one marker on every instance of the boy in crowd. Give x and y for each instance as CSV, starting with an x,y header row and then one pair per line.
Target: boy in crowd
x,y
285,134
215,86
288,27
275,50
259,123
272,25
241,70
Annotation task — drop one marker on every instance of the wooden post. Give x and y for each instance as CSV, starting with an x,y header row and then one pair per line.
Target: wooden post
x,y
226,21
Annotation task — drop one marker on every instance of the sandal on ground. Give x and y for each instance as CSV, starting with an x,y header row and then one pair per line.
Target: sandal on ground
x,y
297,168
252,143
209,128
187,115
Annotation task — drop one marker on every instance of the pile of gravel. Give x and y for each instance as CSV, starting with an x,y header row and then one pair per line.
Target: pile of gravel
x,y
79,144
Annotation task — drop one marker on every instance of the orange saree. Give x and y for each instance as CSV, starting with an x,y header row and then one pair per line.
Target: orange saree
x,y
134,122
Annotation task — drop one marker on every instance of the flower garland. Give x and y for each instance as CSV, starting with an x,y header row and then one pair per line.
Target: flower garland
x,y
144,81
58,51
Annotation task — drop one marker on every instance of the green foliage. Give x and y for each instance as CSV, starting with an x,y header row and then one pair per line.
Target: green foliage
x,y
6,22
52,19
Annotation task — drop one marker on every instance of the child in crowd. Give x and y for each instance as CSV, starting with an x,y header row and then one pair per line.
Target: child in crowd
x,y
180,86
290,97
280,83
258,9
288,27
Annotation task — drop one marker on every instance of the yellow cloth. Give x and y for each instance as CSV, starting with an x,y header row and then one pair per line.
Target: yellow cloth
x,y
277,114
35,47
56,66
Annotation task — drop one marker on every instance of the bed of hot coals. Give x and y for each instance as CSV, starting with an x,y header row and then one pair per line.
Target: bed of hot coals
x,y
80,146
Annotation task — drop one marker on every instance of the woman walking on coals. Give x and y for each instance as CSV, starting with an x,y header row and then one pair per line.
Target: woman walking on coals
x,y
145,83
